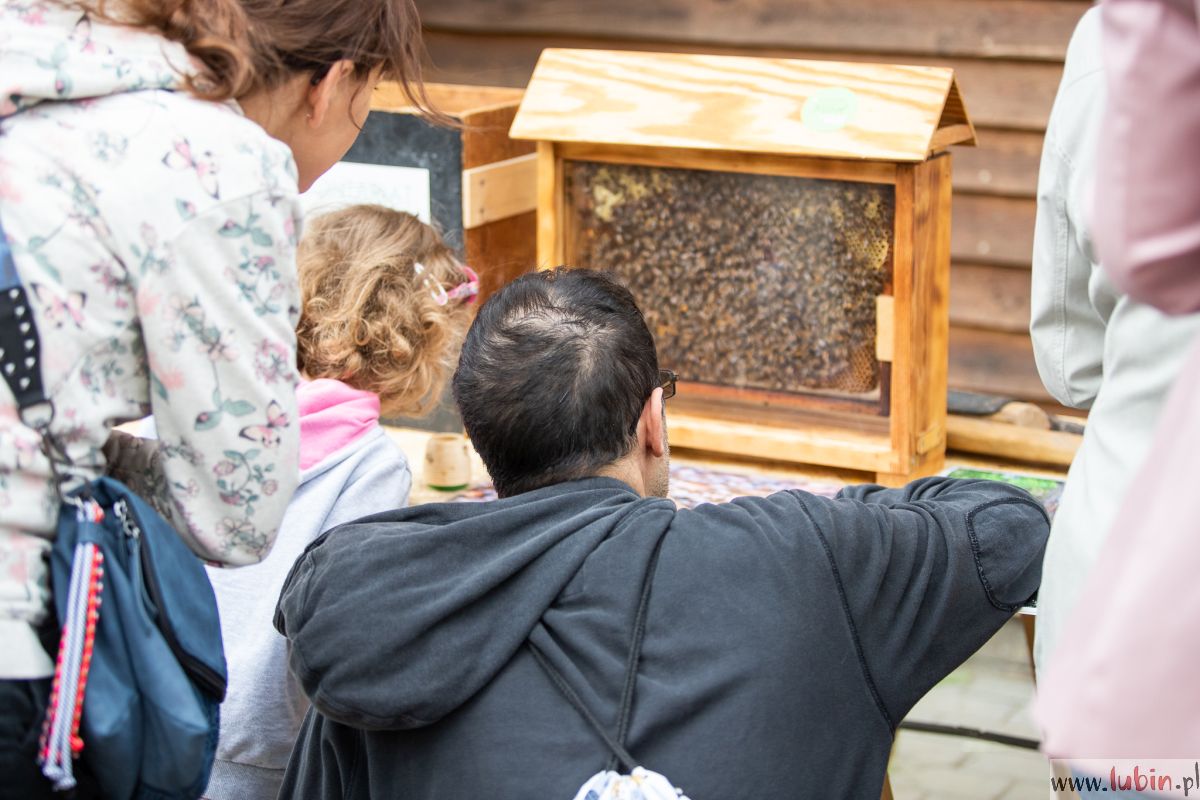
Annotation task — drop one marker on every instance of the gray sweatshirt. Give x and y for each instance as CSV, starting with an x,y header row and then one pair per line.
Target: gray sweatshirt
x,y
786,636
350,468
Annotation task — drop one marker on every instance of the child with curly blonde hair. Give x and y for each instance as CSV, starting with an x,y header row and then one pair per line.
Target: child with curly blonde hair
x,y
384,307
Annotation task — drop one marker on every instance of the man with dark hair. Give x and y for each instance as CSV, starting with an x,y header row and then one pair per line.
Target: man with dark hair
x,y
762,648
552,382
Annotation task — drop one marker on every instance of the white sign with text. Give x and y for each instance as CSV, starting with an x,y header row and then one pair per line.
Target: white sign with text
x,y
347,183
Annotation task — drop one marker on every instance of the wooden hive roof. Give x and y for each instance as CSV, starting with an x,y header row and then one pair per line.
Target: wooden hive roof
x,y
827,109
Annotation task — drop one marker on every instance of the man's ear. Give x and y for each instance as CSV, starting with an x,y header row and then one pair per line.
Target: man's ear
x,y
652,423
320,95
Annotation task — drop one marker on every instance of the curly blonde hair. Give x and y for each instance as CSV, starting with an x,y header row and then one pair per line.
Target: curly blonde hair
x,y
368,317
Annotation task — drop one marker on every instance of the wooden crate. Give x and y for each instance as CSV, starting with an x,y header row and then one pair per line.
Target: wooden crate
x,y
481,182
825,343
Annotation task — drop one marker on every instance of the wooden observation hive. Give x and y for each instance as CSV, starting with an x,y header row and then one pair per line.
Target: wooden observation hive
x,y
785,228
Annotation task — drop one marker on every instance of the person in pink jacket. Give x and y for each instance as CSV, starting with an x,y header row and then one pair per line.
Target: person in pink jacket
x,y
1124,687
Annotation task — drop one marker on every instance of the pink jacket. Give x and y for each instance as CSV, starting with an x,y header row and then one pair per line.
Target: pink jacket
x,y
1123,681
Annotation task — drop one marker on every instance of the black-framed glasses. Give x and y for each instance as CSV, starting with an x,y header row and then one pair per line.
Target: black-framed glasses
x,y
666,382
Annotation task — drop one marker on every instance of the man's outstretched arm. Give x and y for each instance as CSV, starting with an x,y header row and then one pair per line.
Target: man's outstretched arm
x,y
929,573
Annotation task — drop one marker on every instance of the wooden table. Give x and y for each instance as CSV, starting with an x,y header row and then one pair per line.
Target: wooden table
x,y
413,441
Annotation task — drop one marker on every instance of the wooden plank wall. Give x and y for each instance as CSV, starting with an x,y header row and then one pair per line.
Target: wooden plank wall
x,y
1008,56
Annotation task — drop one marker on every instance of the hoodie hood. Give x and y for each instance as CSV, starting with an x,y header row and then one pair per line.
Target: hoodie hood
x,y
48,52
398,619
333,416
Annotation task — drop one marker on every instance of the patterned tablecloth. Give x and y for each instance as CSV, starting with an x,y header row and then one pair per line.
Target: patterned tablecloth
x,y
695,485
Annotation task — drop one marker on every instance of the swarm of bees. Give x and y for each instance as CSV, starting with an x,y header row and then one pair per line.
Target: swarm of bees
x,y
754,281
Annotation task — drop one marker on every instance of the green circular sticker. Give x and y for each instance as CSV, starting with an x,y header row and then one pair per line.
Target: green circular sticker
x,y
829,109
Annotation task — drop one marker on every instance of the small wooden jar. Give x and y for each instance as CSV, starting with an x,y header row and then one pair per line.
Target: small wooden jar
x,y
447,462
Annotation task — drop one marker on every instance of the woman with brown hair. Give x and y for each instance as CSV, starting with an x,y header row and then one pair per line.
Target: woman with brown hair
x,y
151,153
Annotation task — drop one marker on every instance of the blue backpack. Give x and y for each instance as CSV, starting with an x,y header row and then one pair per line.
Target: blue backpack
x,y
140,670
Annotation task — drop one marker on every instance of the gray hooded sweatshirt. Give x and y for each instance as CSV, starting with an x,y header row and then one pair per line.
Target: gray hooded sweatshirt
x,y
786,636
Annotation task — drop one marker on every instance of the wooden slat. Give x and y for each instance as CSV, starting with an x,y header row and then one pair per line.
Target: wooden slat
x,y
455,100
952,134
885,328
993,230
752,163
549,207
907,315
931,249
999,439
500,190
1032,29
992,298
1005,163
1004,94
994,362
815,444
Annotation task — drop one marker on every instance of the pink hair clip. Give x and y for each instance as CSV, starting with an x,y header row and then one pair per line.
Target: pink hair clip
x,y
465,292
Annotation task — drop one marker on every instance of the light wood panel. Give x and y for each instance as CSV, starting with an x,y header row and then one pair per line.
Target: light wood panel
x,y
740,104
550,211
931,247
981,435
499,190
753,163
885,328
902,378
1027,29
832,446
450,98
1013,95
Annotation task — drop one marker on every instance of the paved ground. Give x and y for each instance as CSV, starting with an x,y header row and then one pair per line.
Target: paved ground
x,y
992,691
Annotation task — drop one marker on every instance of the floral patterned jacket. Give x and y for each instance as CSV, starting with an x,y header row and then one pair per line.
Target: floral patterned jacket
x,y
156,236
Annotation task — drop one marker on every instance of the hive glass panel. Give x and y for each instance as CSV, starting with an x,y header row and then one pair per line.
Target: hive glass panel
x,y
751,281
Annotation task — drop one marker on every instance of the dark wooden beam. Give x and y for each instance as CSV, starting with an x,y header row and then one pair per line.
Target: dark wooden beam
x,y
1023,29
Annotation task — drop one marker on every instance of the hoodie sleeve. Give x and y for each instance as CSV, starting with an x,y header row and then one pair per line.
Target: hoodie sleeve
x,y
928,573
325,761
217,304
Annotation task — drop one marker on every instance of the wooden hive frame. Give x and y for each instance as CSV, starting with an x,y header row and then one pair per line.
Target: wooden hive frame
x,y
742,115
